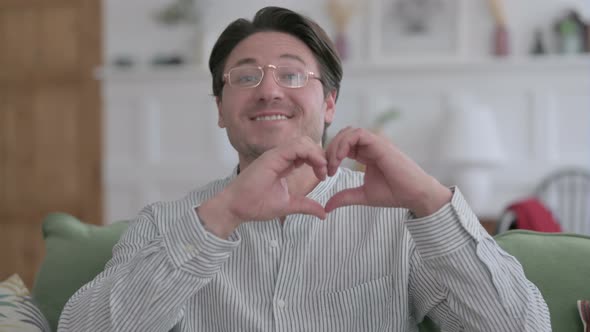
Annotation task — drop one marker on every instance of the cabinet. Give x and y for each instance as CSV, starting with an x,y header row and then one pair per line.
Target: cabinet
x,y
162,140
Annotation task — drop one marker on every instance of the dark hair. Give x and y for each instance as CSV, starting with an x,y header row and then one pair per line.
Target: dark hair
x,y
280,20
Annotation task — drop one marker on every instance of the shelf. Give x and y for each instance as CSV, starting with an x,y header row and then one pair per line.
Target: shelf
x,y
145,73
541,64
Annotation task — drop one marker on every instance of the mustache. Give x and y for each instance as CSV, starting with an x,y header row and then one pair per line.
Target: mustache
x,y
262,106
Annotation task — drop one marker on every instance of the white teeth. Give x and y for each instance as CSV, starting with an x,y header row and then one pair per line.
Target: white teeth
x,y
271,118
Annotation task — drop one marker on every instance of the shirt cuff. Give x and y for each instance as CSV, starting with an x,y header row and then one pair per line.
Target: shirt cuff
x,y
446,230
191,247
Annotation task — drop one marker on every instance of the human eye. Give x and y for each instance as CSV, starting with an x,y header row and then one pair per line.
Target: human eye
x,y
246,79
245,76
291,76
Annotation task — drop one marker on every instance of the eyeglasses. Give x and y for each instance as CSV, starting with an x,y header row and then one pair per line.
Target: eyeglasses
x,y
291,77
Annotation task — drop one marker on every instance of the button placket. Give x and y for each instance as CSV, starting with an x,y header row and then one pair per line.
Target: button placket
x,y
295,232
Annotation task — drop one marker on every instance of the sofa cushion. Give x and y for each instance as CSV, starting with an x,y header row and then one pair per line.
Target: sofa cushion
x,y
18,311
558,264
75,253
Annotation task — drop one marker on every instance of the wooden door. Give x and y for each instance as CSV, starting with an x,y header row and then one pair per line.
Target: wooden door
x,y
50,124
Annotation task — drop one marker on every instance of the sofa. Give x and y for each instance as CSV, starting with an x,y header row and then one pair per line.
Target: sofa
x,y
76,252
557,263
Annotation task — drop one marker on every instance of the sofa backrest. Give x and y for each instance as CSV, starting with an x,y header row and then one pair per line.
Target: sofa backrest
x,y
558,264
75,253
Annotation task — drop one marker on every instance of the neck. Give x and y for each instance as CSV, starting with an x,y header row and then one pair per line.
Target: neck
x,y
302,181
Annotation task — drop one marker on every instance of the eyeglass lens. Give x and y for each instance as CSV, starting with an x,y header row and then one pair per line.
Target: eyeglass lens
x,y
290,77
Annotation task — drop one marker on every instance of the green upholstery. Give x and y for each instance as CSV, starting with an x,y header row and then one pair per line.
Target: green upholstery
x,y
75,253
558,264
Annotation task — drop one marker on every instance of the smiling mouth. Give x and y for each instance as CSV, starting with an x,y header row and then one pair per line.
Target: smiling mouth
x,y
271,118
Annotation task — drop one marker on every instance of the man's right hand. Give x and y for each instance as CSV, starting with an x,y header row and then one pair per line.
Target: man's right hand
x,y
260,191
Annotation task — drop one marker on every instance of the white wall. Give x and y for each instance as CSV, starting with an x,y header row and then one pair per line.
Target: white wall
x,y
129,28
161,137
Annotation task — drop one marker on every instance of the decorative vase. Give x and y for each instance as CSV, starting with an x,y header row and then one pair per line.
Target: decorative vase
x,y
341,43
501,41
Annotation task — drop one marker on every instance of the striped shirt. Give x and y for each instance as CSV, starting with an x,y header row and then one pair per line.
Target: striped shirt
x,y
362,269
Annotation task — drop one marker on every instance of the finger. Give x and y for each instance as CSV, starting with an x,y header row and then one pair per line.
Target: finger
x,y
321,169
353,196
334,141
305,205
331,151
303,151
363,146
345,143
317,158
343,138
296,164
348,145
284,159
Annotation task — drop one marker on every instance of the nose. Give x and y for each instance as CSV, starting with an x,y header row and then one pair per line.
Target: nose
x,y
268,89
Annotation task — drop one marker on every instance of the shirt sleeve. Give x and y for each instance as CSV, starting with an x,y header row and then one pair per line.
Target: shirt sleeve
x,y
464,281
153,271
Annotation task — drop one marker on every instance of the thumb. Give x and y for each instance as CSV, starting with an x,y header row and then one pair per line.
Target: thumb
x,y
353,196
302,204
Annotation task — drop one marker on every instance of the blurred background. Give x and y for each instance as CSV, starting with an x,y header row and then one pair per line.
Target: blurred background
x,y
106,106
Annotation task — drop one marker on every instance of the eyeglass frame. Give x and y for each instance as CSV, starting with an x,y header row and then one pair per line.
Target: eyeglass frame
x,y
309,74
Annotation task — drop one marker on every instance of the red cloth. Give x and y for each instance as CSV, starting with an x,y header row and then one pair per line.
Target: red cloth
x,y
532,214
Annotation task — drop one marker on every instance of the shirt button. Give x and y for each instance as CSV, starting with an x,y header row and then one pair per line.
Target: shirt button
x,y
190,248
274,243
281,303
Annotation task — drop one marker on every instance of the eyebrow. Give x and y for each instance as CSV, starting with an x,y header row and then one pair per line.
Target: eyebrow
x,y
245,61
292,56
251,61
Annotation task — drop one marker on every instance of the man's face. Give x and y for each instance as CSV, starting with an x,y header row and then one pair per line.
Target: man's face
x,y
260,118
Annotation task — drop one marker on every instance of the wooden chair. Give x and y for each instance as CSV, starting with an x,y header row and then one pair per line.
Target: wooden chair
x,y
566,193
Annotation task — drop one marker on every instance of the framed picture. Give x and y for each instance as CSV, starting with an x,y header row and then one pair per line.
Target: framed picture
x,y
417,29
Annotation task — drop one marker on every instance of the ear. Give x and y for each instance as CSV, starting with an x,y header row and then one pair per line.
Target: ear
x,y
220,121
330,106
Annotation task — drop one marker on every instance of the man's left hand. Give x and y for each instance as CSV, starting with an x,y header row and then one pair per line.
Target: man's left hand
x,y
391,178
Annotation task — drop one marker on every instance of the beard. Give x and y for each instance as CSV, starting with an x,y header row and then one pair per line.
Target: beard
x,y
273,105
250,148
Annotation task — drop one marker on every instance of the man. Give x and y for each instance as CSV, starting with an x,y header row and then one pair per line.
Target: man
x,y
292,242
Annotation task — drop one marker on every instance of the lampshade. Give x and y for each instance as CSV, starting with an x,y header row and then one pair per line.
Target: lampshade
x,y
470,137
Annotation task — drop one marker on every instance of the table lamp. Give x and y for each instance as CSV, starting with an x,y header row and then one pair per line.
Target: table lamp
x,y
471,147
